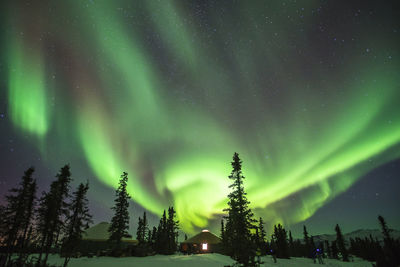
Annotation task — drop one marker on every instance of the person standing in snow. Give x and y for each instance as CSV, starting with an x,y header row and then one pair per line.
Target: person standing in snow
x,y
319,256
273,254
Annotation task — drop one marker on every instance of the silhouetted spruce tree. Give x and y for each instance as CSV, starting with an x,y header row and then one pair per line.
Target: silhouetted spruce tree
x,y
391,251
222,235
256,240
120,221
366,248
162,235
291,245
25,239
52,212
77,222
354,249
172,231
328,249
142,230
149,238
18,214
146,231
340,243
154,238
298,248
2,225
334,250
139,236
239,220
262,235
312,245
280,238
307,245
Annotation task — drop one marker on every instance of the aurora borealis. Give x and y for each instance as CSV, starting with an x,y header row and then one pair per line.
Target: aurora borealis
x,y
307,92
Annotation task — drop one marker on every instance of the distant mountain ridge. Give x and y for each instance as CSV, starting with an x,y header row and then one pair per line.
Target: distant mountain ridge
x,y
361,233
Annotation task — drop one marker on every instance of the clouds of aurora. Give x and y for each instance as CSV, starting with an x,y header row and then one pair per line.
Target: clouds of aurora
x,y
168,96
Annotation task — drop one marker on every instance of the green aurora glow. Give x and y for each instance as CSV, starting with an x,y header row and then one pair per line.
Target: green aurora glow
x,y
155,95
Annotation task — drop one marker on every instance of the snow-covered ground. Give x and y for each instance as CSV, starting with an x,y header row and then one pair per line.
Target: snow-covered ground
x,y
200,260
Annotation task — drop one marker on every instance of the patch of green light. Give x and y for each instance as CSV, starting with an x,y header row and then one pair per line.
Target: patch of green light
x,y
104,153
27,96
171,24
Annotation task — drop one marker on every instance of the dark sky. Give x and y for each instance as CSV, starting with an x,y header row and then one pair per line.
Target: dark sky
x,y
307,92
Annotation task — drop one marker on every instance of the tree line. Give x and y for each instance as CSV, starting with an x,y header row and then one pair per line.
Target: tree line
x,y
244,238
56,222
161,240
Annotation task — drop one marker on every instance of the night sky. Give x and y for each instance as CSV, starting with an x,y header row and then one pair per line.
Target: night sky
x,y
307,92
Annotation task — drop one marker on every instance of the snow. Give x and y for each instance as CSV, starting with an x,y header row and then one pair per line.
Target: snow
x,y
199,260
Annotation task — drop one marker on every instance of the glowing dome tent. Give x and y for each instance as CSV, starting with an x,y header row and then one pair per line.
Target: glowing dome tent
x,y
204,242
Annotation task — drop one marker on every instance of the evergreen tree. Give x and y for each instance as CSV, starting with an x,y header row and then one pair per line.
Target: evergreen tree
x,y
149,237
139,236
2,225
262,235
18,213
162,236
77,222
334,250
222,235
280,239
24,240
256,240
328,249
390,248
142,229
340,243
291,245
312,244
240,220
388,240
307,245
167,233
145,226
120,222
154,238
172,231
52,212
298,248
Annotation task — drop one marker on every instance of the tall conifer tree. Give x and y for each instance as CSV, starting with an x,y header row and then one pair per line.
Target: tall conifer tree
x,y
340,243
334,250
142,230
307,245
53,211
222,235
262,235
2,225
18,212
77,222
280,237
291,245
390,249
172,230
120,221
328,249
162,235
240,220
